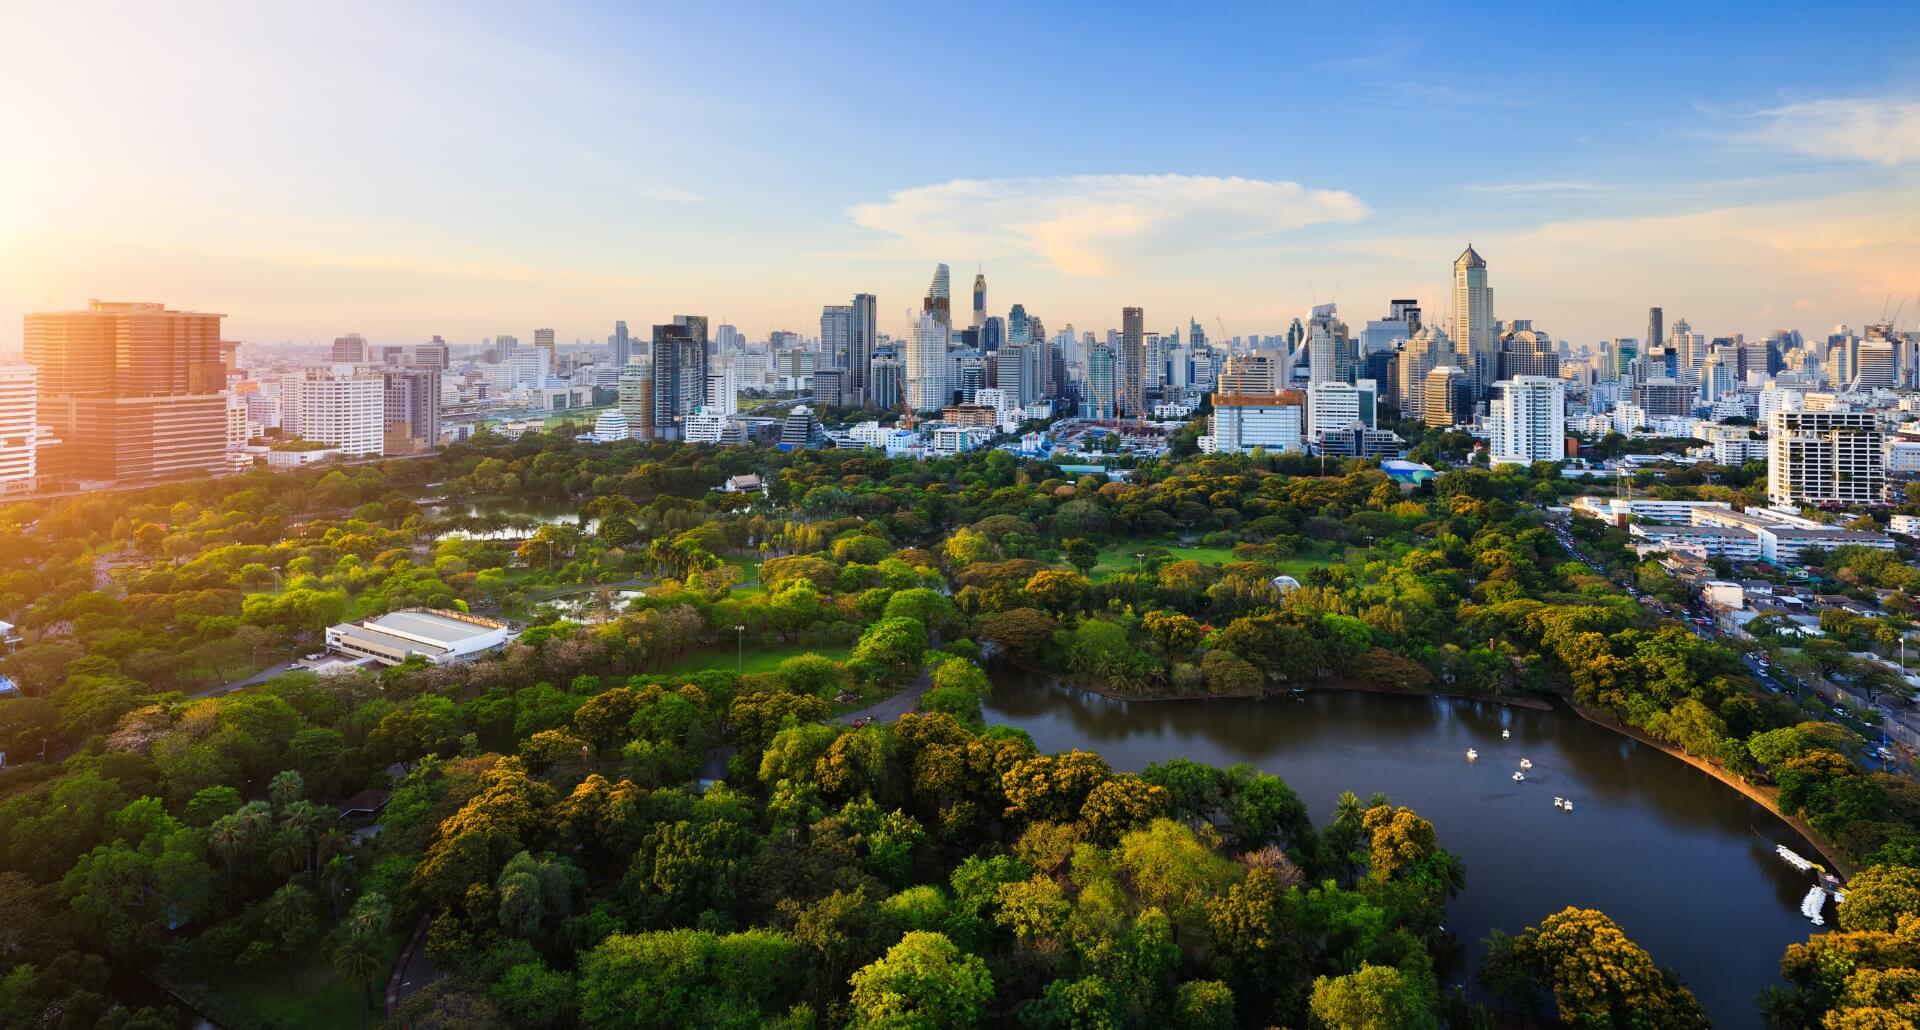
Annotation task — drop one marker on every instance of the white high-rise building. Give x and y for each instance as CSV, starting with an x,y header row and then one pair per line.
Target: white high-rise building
x,y
1874,366
1825,457
723,390
337,406
927,362
19,427
1473,330
1528,421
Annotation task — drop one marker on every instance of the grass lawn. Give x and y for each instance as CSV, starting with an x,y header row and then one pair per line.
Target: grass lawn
x,y
317,997
754,659
1119,557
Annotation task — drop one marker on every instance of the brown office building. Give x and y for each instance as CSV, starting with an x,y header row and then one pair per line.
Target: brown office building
x,y
131,391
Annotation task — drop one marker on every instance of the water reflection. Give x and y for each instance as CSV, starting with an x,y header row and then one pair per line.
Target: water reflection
x,y
1682,862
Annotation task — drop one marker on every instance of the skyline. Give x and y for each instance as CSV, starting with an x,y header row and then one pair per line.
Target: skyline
x,y
403,173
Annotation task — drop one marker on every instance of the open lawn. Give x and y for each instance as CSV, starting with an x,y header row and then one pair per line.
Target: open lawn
x,y
1120,557
755,658
313,996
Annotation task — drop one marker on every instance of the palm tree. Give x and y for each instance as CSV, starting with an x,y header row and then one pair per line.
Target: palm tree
x,y
285,787
289,914
287,851
228,837
357,957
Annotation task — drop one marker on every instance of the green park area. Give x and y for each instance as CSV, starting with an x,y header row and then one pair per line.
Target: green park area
x,y
1121,557
750,658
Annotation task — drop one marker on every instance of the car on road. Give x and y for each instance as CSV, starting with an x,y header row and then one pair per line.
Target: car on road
x,y
1837,710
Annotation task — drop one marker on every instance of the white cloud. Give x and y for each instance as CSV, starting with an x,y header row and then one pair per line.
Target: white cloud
x,y
1087,224
1884,131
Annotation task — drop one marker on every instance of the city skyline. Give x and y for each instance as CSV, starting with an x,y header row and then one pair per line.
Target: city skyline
x,y
412,172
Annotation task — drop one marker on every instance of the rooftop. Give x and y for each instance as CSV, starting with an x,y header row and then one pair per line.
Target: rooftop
x,y
421,623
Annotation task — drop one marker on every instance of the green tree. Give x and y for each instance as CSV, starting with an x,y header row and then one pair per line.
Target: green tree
x,y
923,981
1373,998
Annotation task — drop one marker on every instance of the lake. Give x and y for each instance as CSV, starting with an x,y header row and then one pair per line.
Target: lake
x,y
1682,862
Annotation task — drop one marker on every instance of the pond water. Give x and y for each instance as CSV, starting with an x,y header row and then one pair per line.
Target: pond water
x,y
518,508
1682,862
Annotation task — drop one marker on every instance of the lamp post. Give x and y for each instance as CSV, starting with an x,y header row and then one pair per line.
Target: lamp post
x,y
740,649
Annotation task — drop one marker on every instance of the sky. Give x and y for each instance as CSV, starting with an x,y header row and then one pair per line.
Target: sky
x,y
402,170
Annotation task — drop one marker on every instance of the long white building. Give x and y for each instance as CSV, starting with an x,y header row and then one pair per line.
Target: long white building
x,y
1274,422
927,364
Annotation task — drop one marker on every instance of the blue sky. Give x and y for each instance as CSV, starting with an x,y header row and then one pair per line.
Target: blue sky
x,y
402,170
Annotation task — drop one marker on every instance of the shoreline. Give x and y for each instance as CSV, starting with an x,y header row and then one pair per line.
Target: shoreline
x,y
1097,689
1761,795
1765,797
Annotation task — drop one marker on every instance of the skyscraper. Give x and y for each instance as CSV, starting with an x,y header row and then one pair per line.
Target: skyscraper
x,y
939,299
679,372
1526,351
1018,331
1656,327
1473,321
131,391
622,344
636,396
351,349
1102,384
543,340
862,337
1405,310
1133,361
503,348
979,299
836,335
927,361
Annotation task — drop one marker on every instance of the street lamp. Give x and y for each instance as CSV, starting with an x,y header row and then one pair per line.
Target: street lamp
x,y
740,649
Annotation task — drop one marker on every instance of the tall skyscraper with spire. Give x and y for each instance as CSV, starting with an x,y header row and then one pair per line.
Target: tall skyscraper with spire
x,y
1473,320
939,300
979,299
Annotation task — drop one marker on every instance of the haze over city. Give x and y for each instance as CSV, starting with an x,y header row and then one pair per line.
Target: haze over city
x,y
412,170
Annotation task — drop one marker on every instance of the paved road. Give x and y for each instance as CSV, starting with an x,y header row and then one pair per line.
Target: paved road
x,y
890,709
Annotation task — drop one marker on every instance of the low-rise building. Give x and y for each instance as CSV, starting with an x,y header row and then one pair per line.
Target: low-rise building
x,y
440,636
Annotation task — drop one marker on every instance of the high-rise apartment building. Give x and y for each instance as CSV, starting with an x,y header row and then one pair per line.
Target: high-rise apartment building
x,y
622,344
337,405
1103,382
1473,331
543,340
886,383
1527,417
1825,458
679,372
20,427
636,396
503,348
1133,363
351,349
412,409
928,387
129,391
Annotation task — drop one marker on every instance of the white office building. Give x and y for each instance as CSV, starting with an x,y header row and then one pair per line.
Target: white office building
x,y
1240,423
1528,421
723,390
